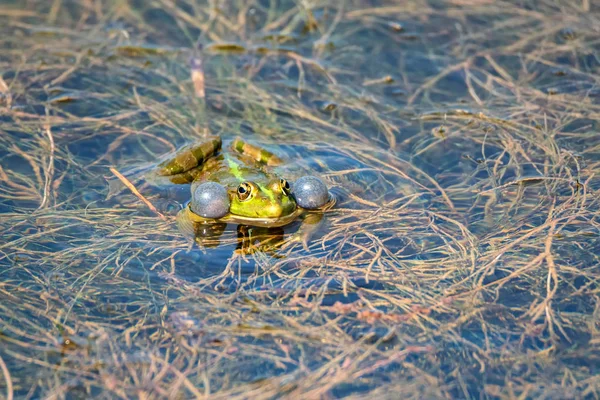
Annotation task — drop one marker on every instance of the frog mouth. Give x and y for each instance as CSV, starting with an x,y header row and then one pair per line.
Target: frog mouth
x,y
191,216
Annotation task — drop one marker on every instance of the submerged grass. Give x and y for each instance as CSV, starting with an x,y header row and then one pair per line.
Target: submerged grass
x,y
460,261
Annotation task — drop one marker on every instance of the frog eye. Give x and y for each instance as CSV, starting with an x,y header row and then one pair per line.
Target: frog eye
x,y
244,191
285,186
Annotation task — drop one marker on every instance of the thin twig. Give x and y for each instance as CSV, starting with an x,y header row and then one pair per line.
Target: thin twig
x,y
49,172
133,189
7,379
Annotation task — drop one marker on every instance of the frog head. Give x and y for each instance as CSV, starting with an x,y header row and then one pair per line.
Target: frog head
x,y
267,199
260,200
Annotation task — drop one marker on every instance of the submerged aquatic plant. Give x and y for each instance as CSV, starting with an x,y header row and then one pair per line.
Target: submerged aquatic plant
x,y
460,261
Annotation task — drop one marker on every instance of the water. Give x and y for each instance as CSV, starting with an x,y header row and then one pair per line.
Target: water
x,y
459,261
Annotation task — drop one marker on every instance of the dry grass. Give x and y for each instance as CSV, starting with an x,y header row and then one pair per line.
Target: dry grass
x,y
461,260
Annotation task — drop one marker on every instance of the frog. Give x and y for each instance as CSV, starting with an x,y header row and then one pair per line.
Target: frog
x,y
242,184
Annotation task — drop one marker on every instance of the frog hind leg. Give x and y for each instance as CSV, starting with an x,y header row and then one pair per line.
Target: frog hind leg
x,y
190,157
310,225
256,153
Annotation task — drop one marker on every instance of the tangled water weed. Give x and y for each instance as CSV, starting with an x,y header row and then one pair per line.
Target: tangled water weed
x,y
461,259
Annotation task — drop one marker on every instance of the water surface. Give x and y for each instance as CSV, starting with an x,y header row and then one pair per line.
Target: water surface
x,y
460,261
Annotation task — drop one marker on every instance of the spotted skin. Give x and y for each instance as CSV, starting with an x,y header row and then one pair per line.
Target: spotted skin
x,y
190,157
264,202
243,164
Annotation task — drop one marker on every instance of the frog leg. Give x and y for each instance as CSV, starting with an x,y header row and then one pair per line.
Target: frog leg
x,y
244,244
255,153
204,234
190,157
253,239
310,223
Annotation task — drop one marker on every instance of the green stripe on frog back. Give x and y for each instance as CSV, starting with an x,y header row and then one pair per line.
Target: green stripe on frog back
x,y
256,153
266,191
190,157
234,169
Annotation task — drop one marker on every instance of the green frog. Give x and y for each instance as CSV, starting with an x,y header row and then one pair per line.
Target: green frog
x,y
242,185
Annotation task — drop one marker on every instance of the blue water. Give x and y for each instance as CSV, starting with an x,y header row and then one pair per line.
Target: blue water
x,y
460,140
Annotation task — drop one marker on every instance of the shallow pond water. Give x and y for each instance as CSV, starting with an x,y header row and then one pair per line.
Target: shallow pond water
x,y
460,138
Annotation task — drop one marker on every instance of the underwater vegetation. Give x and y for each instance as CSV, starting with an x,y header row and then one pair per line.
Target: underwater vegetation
x,y
459,138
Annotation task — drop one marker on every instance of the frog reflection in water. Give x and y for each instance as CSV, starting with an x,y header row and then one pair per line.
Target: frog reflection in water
x,y
242,186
